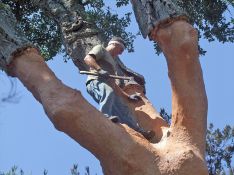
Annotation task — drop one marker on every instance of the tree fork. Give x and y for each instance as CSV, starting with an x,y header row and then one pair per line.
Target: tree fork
x,y
69,112
181,149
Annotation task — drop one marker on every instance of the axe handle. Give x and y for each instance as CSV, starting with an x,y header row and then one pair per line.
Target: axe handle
x,y
111,76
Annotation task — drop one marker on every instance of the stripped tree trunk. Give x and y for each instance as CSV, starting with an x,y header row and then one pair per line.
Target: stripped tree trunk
x,y
179,150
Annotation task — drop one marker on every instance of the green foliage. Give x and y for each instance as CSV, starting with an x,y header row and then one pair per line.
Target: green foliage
x,y
45,33
219,149
13,171
120,3
109,22
74,171
165,115
38,28
213,19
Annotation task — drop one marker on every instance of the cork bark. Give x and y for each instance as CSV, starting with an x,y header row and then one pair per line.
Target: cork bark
x,y
79,36
151,15
179,149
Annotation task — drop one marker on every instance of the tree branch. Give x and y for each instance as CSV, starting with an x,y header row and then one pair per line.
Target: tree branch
x,y
189,102
72,114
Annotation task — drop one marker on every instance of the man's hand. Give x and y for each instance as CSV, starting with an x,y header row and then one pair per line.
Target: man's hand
x,y
135,97
103,73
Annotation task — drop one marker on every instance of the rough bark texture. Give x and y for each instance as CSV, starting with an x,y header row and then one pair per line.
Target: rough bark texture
x,y
154,14
146,115
11,40
179,43
70,113
79,36
179,149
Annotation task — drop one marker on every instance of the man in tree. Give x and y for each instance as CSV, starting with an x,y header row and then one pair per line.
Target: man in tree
x,y
104,61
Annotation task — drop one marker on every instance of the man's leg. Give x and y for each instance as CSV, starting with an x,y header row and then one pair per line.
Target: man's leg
x,y
112,105
121,110
102,94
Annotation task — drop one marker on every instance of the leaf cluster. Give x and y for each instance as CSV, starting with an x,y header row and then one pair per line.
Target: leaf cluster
x,y
219,149
214,19
38,28
109,22
44,32
13,171
74,171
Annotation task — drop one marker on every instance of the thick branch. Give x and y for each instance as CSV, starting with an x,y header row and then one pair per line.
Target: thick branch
x,y
145,113
164,22
72,114
189,102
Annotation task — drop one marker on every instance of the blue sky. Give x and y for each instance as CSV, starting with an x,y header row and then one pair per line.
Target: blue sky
x,y
29,140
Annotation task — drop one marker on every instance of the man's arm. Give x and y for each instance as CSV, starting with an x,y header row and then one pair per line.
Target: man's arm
x,y
91,62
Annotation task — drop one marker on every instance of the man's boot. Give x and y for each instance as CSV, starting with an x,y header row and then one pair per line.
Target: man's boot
x,y
148,134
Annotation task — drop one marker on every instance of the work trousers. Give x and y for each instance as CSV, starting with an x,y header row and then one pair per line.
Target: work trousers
x,y
111,104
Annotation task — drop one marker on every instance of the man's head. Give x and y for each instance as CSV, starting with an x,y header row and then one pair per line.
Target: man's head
x,y
116,46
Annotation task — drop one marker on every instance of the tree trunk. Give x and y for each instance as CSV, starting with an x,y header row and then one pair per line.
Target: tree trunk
x,y
79,36
179,150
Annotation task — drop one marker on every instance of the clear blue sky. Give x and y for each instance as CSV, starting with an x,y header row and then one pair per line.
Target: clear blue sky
x,y
29,140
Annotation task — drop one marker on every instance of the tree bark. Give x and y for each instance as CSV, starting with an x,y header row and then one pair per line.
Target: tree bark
x,y
146,115
79,35
179,150
176,153
179,43
70,113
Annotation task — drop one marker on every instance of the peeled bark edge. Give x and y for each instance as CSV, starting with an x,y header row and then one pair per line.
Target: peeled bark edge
x,y
155,14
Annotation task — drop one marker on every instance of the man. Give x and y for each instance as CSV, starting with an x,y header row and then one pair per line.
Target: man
x,y
104,61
